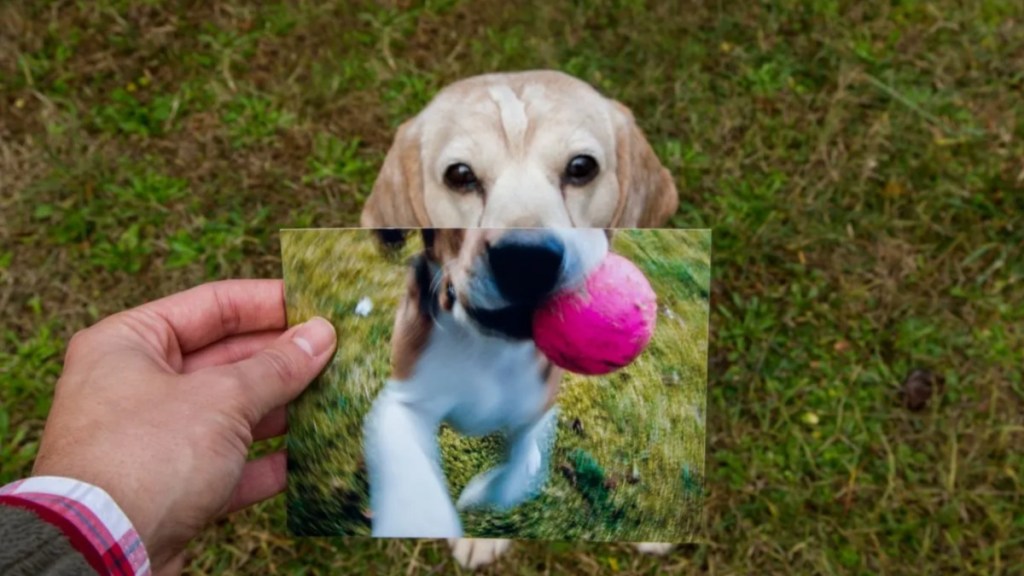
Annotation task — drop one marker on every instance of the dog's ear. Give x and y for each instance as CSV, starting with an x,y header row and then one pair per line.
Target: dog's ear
x,y
397,196
648,195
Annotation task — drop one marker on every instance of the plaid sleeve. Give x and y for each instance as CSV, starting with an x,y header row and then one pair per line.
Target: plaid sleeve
x,y
88,516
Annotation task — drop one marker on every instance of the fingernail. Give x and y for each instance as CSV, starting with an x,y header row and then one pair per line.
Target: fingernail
x,y
315,337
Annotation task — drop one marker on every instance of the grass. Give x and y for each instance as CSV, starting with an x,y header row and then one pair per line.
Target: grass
x,y
859,162
645,422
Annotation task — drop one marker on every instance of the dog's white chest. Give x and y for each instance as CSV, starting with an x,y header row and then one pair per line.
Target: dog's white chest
x,y
477,384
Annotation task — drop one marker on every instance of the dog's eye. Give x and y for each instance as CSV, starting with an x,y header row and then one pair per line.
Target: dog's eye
x,y
581,170
460,177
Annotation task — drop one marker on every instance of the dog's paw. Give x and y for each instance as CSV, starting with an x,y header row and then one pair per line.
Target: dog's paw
x,y
473,553
481,490
657,548
501,487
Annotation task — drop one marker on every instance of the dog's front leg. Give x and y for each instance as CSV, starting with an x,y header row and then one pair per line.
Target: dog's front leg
x,y
523,474
408,493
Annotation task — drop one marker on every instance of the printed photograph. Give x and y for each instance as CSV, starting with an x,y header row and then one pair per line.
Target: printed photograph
x,y
543,384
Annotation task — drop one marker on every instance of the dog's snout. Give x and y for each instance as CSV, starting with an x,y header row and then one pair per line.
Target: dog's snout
x,y
526,267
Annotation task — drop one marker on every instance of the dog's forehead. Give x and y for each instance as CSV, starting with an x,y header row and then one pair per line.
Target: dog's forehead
x,y
516,105
532,88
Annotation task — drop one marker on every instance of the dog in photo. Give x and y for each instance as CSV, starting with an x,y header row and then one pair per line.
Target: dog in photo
x,y
462,355
536,149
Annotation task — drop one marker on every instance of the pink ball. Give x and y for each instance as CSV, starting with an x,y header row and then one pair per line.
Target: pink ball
x,y
604,325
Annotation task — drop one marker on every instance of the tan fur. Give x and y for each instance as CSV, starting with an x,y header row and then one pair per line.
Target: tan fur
x,y
649,196
410,333
457,249
397,197
447,244
411,328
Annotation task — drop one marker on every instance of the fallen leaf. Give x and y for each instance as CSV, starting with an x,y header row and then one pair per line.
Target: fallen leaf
x,y
893,189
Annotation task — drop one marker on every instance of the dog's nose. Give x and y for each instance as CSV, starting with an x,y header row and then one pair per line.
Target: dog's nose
x,y
526,266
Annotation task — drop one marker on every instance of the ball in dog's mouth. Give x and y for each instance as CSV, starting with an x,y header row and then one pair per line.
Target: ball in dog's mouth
x,y
604,325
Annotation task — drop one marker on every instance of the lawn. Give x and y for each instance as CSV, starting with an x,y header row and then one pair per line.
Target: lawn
x,y
861,165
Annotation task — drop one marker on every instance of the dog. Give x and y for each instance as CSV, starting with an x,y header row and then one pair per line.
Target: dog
x,y
462,355
533,149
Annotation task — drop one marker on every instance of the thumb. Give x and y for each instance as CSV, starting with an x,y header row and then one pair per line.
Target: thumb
x,y
277,374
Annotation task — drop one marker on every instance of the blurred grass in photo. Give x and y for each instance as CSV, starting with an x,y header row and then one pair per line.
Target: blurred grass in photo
x,y
630,450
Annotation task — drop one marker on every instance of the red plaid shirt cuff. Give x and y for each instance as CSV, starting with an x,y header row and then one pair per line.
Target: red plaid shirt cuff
x,y
88,516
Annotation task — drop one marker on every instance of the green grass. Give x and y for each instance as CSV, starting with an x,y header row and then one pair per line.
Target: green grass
x,y
859,162
645,422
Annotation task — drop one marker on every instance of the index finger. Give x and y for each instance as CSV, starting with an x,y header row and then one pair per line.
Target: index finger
x,y
213,311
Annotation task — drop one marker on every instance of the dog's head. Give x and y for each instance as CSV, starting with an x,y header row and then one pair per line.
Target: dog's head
x,y
492,280
527,149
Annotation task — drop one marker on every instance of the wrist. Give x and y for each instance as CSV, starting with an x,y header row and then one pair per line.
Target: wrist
x,y
119,484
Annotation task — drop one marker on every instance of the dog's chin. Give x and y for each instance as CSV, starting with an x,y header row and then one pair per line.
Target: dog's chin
x,y
511,322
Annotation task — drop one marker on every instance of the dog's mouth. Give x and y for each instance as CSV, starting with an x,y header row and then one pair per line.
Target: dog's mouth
x,y
511,322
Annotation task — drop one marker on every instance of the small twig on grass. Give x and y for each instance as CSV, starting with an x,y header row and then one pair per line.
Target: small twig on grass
x,y
931,118
23,63
175,105
225,68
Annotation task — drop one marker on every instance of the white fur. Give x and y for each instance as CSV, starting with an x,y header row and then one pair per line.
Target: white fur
x,y
473,553
513,115
477,384
395,432
587,245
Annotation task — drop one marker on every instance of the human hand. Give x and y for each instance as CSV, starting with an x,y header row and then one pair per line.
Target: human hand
x,y
159,405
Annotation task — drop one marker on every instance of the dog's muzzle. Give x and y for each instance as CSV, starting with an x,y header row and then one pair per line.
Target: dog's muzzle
x,y
525,267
